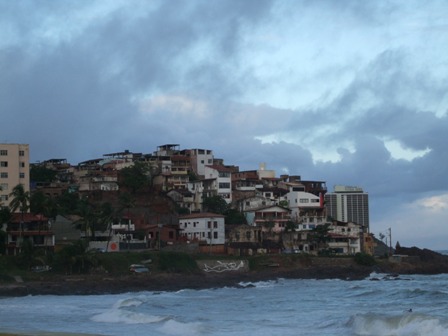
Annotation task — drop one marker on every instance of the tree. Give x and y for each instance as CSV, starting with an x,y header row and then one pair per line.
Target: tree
x,y
233,216
43,204
320,235
67,203
42,174
20,201
215,204
135,177
127,202
87,222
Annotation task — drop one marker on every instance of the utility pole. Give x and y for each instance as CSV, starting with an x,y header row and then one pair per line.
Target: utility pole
x,y
390,241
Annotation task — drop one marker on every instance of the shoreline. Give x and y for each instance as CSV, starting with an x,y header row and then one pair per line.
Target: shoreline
x,y
104,283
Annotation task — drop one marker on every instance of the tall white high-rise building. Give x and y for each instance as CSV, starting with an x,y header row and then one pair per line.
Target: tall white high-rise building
x,y
348,204
14,170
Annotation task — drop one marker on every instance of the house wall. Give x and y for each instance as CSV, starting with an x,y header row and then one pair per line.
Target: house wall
x,y
14,170
201,228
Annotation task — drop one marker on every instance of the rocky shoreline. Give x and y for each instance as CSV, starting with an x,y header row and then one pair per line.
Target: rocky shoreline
x,y
320,268
100,284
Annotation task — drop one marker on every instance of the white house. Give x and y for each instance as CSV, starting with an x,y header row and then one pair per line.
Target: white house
x,y
306,208
206,227
223,177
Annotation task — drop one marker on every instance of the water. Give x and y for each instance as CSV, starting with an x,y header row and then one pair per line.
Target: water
x,y
283,307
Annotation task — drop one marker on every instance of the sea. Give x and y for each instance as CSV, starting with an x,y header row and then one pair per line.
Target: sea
x,y
381,304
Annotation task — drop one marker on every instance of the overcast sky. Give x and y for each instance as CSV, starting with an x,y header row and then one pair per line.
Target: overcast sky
x,y
348,92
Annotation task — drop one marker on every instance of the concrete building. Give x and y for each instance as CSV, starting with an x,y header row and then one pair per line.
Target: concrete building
x,y
223,177
206,228
14,170
348,204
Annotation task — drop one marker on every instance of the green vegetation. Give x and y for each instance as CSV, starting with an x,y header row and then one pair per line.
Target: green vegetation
x,y
175,262
364,259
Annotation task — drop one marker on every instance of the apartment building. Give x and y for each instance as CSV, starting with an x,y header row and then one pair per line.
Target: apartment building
x,y
348,204
14,170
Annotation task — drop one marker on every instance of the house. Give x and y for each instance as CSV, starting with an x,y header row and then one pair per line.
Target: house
x,y
183,198
272,219
345,237
206,228
29,228
64,230
160,235
306,208
120,236
223,177
244,240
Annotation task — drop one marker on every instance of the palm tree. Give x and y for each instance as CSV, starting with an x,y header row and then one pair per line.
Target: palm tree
x,y
20,201
127,202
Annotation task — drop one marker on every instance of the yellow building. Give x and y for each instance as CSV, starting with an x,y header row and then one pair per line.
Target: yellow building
x,y
14,169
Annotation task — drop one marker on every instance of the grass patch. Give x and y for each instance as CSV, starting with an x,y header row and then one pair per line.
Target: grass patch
x,y
175,262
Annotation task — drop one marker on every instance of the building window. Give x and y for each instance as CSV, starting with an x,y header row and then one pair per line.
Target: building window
x,y
215,235
304,200
209,225
22,175
4,197
21,153
3,175
4,152
215,225
3,163
22,164
4,187
224,185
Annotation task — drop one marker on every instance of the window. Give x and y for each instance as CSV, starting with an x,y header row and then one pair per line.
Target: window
x,y
3,175
3,152
248,235
3,163
304,200
22,164
215,235
215,225
21,175
21,153
4,186
3,197
224,185
209,225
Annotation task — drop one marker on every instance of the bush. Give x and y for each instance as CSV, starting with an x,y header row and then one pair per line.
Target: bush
x,y
177,262
364,259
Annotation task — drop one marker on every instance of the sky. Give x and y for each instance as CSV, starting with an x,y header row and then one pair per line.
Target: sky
x,y
348,92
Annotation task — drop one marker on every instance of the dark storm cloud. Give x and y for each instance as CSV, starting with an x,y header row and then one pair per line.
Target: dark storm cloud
x,y
80,79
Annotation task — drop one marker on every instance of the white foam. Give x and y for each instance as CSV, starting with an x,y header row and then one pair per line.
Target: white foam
x,y
130,302
408,324
124,316
174,328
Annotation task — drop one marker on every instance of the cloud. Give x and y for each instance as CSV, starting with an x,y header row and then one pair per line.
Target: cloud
x,y
317,89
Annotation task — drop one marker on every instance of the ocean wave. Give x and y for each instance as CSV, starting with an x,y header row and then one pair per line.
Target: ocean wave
x,y
129,302
127,317
409,324
173,327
